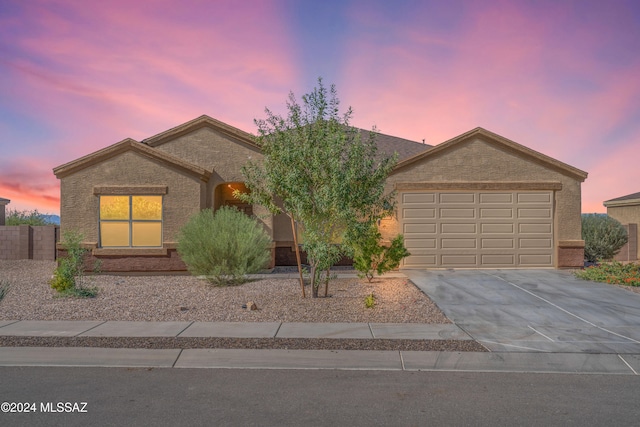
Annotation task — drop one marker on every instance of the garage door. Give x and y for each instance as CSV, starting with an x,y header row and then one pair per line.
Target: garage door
x,y
477,229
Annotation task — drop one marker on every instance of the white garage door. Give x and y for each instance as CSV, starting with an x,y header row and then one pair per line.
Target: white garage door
x,y
469,229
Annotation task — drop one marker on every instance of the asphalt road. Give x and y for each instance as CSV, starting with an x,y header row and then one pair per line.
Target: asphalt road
x,y
221,397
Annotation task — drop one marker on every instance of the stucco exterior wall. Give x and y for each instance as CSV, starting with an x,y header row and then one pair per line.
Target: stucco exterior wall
x,y
629,214
79,205
478,160
219,153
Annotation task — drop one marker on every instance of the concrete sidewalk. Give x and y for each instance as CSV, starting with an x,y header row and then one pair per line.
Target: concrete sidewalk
x,y
627,364
63,328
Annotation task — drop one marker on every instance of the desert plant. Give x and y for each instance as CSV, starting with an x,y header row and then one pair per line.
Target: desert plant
x,y
223,246
370,300
4,289
371,256
603,237
25,217
614,272
69,278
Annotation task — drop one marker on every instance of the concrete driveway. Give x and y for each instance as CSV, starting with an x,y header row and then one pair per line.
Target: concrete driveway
x,y
535,310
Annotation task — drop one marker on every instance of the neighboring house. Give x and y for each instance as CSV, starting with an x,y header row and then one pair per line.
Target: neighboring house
x,y
3,203
478,200
626,209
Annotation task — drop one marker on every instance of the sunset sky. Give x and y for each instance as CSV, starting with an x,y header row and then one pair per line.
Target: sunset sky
x,y
561,77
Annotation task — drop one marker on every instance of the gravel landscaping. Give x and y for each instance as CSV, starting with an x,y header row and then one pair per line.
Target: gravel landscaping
x,y
186,298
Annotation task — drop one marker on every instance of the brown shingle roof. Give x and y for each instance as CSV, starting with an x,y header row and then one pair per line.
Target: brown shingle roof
x,y
388,145
629,199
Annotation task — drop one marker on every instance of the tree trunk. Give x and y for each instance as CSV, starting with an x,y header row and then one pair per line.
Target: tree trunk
x,y
326,283
295,243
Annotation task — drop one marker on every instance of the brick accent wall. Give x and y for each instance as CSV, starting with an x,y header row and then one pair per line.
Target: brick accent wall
x,y
629,252
28,242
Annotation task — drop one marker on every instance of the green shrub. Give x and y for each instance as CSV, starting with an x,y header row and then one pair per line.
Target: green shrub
x,y
370,301
4,289
225,246
614,272
69,278
16,217
369,255
603,237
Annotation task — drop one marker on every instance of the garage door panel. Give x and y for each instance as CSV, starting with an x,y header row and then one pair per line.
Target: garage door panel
x,y
535,243
540,260
496,213
531,228
409,198
457,198
534,198
420,261
454,228
497,243
496,228
419,243
478,228
419,228
418,213
459,260
525,213
470,243
468,213
499,260
489,198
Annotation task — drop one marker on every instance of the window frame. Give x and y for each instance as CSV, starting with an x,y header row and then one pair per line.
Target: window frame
x,y
131,221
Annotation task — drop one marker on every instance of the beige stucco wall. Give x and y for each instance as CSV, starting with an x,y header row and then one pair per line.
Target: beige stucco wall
x,y
221,154
480,160
626,215
79,205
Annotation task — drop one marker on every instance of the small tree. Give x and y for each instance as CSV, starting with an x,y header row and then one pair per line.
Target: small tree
x,y
322,173
371,256
603,237
225,246
69,276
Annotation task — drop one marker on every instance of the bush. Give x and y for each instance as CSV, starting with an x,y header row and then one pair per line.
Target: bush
x,y
369,255
603,237
69,278
16,217
615,272
225,246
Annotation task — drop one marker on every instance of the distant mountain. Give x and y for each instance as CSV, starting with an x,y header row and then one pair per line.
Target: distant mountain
x,y
52,219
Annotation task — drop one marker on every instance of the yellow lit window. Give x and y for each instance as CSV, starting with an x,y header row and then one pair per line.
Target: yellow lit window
x,y
130,221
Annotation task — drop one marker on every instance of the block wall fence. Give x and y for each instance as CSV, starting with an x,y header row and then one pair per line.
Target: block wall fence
x,y
29,242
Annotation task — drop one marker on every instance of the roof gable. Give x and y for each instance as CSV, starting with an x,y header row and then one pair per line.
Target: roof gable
x,y
501,141
125,146
198,123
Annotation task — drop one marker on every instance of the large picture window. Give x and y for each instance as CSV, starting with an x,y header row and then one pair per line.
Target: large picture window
x,y
130,221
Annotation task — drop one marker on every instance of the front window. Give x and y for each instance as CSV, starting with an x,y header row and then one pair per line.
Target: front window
x,y
130,221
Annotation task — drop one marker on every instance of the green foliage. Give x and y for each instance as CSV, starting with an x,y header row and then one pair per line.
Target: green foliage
x,y
370,300
4,289
614,272
225,246
603,237
69,278
370,255
320,171
16,217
